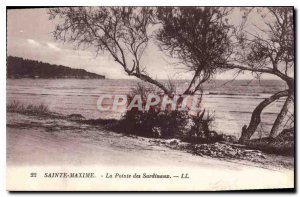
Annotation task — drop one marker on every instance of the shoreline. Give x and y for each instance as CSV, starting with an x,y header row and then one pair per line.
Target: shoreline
x,y
64,127
60,145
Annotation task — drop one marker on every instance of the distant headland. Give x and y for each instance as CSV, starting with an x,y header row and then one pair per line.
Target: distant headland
x,y
24,68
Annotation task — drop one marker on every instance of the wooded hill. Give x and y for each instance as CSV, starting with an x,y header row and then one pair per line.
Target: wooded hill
x,y
24,68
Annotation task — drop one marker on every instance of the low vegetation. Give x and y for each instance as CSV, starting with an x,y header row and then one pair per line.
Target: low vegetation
x,y
166,124
18,107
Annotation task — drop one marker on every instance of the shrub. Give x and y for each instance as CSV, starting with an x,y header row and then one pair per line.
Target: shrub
x,y
163,123
17,107
154,123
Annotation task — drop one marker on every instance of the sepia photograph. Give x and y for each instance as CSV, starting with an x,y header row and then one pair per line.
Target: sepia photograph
x,y
153,98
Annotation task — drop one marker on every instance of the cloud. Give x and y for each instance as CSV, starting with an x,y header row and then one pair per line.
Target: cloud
x,y
53,46
33,42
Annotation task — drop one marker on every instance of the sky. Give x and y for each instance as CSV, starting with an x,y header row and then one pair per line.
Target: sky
x,y
29,36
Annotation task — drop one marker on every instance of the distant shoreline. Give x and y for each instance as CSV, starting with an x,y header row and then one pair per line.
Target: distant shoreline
x,y
55,78
135,79
18,68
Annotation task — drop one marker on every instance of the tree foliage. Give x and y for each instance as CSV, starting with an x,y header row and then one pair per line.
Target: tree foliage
x,y
199,37
120,31
267,48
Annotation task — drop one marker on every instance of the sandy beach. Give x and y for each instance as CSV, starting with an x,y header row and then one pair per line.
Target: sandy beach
x,y
43,141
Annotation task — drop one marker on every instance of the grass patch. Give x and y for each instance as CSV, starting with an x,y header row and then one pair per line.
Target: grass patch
x,y
273,146
18,107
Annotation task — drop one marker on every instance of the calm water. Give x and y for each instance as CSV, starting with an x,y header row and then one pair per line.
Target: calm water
x,y
232,103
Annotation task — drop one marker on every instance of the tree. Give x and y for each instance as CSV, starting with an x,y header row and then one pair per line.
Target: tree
x,y
120,31
199,37
205,43
124,33
267,50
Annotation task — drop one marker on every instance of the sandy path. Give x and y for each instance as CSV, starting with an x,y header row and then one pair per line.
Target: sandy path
x,y
79,145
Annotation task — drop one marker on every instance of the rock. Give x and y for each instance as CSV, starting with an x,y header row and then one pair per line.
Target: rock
x,y
75,117
232,153
222,137
233,139
212,135
227,138
156,131
174,142
189,125
286,134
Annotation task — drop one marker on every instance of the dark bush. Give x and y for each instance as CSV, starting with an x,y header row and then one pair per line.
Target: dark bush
x,y
154,124
167,123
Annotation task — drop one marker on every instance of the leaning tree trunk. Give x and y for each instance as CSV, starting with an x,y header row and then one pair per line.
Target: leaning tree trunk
x,y
255,118
280,118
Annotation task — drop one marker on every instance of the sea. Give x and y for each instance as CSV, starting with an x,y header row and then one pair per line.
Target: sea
x,y
230,102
